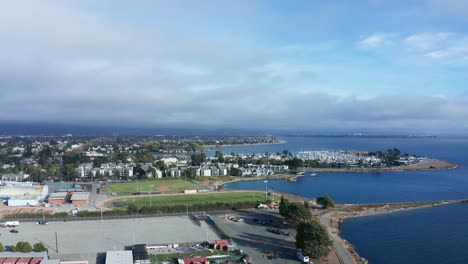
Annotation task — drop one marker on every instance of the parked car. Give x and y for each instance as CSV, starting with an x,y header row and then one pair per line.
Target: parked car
x,y
42,222
286,233
14,231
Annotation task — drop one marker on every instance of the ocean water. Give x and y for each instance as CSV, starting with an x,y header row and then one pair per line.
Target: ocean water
x,y
429,235
421,236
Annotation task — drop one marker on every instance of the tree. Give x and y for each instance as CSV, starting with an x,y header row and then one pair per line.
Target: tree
x,y
235,172
24,247
132,208
191,173
312,238
326,201
39,247
297,212
13,248
284,206
2,248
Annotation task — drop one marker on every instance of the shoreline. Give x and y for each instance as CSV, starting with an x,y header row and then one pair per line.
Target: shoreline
x,y
248,144
333,220
436,165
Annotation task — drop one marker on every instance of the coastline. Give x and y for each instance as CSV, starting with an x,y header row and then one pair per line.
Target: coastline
x,y
333,220
248,144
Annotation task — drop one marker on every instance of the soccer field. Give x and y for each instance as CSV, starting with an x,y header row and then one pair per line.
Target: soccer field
x,y
161,186
200,199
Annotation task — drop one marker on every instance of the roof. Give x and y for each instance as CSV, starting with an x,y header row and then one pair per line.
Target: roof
x,y
23,260
195,260
58,195
8,254
50,261
80,196
119,257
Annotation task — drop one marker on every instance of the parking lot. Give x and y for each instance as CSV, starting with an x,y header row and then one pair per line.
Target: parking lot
x,y
255,239
95,236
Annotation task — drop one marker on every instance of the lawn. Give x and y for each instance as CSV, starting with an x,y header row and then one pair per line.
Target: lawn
x,y
230,198
161,186
171,257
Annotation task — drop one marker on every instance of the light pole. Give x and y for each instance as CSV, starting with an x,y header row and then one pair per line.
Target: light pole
x,y
151,195
266,190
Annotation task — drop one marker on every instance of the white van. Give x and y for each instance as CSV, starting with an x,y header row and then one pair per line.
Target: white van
x,y
301,257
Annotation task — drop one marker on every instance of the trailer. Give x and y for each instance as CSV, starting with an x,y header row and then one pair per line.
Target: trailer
x,y
10,224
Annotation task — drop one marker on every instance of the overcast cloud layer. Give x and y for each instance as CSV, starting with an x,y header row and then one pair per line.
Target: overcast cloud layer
x,y
242,64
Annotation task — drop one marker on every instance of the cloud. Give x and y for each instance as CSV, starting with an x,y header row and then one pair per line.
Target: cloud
x,y
374,41
426,41
61,62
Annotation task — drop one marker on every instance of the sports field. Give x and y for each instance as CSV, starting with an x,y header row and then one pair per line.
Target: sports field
x,y
158,186
195,199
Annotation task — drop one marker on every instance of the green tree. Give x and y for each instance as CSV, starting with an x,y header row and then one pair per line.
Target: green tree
x,y
326,201
297,212
132,208
191,173
2,248
24,247
284,206
39,247
13,248
312,238
235,172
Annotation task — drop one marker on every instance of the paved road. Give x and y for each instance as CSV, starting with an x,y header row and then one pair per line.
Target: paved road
x,y
342,253
254,238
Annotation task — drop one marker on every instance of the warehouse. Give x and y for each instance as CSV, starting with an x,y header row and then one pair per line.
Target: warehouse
x,y
80,198
23,195
119,257
58,198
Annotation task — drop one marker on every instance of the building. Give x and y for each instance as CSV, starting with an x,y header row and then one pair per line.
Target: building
x,y
80,198
23,195
20,258
15,177
140,254
84,170
205,172
58,198
196,260
119,257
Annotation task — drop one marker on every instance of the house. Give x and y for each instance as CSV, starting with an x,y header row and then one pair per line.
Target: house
x,y
222,244
204,172
175,172
14,177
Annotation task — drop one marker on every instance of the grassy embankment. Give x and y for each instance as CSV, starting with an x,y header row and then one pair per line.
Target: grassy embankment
x,y
202,201
171,257
155,186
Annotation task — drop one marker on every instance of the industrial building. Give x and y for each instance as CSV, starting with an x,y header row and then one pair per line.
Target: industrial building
x,y
22,194
58,198
23,258
119,257
80,198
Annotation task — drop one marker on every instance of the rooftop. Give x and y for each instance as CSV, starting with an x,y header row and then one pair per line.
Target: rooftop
x,y
80,196
119,257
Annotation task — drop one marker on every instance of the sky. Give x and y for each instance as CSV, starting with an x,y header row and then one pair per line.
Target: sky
x,y
303,65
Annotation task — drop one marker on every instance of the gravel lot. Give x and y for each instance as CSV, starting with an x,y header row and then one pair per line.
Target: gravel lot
x,y
95,236
254,238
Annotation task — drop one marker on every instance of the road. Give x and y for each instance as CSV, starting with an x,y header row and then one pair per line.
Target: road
x,y
344,256
254,239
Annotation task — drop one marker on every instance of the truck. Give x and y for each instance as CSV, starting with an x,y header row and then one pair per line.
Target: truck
x,y
302,257
10,224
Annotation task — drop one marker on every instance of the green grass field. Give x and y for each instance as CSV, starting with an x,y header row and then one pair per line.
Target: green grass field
x,y
192,199
163,186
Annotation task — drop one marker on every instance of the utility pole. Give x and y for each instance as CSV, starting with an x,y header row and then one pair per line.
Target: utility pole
x,y
266,190
56,243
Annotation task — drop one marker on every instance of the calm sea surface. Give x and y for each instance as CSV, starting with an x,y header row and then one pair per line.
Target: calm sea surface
x,y
432,235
